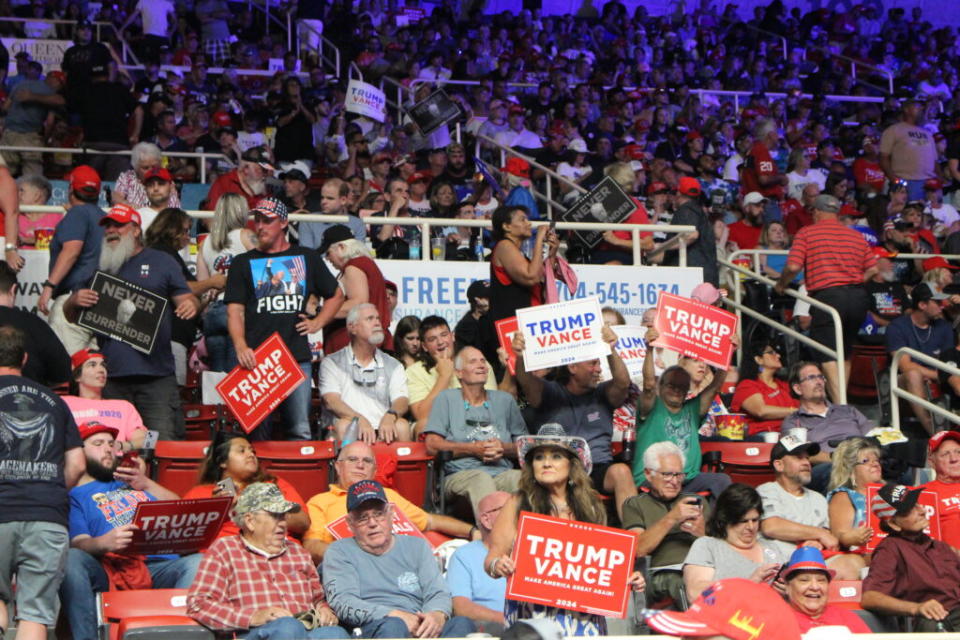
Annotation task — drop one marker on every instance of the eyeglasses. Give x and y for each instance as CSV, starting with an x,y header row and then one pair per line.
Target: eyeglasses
x,y
358,460
365,377
671,475
370,516
867,461
813,377
771,352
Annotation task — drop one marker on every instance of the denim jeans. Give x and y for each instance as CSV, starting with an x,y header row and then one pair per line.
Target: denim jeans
x,y
85,578
392,627
222,355
293,413
289,628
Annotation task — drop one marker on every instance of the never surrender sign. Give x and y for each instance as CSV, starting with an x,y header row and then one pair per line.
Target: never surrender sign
x,y
252,394
177,526
572,565
606,202
695,329
124,311
434,111
561,333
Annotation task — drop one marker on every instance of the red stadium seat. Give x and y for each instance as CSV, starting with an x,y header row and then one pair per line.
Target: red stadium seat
x,y
845,593
747,462
200,420
411,478
865,362
303,463
124,613
178,464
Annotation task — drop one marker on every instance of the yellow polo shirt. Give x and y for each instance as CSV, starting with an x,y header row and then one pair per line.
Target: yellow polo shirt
x,y
420,381
327,507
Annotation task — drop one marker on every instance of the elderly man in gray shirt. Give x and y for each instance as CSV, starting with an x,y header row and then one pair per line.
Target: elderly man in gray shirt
x,y
401,593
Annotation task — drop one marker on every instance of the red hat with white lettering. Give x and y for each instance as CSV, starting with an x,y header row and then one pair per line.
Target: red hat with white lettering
x,y
736,608
939,438
88,429
121,214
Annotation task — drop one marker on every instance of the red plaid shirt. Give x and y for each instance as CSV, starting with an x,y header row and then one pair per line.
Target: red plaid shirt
x,y
234,581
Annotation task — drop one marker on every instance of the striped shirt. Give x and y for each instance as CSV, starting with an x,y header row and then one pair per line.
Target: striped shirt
x,y
830,255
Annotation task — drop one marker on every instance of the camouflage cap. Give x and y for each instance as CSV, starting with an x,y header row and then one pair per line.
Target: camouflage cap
x,y
263,496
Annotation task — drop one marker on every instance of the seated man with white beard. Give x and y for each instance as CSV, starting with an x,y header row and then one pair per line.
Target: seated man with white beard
x,y
361,381
145,380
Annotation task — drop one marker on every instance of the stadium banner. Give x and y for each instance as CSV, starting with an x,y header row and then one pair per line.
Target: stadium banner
x,y
366,100
631,347
49,53
572,565
440,288
177,526
927,499
124,311
505,330
695,329
606,202
434,111
402,526
562,333
251,394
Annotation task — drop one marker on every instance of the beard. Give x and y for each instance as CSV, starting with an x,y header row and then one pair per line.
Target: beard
x,y
257,187
889,276
98,471
112,257
377,338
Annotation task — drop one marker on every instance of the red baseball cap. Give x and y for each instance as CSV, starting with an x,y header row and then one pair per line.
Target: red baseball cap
x,y
882,252
85,179
694,135
381,156
689,187
58,75
121,214
518,167
737,608
78,358
420,176
159,173
940,437
515,109
933,184
657,187
222,119
88,429
936,262
634,152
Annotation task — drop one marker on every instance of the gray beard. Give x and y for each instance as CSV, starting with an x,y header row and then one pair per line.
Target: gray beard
x,y
257,187
113,257
377,338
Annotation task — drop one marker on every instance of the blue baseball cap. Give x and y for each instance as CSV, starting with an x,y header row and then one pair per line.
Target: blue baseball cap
x,y
360,492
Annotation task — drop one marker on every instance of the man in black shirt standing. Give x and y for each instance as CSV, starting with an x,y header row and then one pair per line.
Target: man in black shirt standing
x,y
701,244
105,108
41,458
256,311
80,60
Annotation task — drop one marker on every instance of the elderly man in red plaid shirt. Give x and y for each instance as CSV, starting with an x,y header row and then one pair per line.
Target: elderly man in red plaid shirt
x,y
256,584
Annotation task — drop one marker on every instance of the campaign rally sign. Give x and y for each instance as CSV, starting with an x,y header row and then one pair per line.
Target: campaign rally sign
x,y
366,100
177,526
695,329
573,565
606,202
434,111
251,394
561,333
505,330
631,347
124,311
402,526
929,501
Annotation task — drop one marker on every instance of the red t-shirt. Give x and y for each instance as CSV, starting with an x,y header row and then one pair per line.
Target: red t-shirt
x,y
795,216
760,163
867,173
948,494
744,235
229,183
832,616
777,397
230,528
639,216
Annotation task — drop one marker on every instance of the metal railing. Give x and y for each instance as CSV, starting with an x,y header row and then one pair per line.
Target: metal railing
x,y
205,155
854,63
835,354
756,253
325,43
125,52
896,392
426,224
267,18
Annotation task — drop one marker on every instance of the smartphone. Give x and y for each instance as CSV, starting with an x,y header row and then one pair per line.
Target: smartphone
x,y
227,487
150,441
553,225
692,498
776,574
129,459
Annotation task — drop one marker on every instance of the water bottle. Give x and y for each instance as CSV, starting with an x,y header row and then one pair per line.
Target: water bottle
x,y
415,251
629,444
352,433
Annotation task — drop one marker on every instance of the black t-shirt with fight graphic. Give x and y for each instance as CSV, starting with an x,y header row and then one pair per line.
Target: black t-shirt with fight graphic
x,y
274,289
36,431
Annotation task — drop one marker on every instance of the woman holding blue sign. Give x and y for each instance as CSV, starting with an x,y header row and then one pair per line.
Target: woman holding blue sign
x,y
555,481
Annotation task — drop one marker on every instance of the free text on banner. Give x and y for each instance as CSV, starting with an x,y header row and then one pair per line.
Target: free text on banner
x,y
573,565
252,394
366,100
124,311
695,329
402,526
561,333
631,347
177,526
929,501
505,330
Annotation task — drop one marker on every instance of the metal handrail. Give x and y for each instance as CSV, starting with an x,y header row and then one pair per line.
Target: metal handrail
x,y
213,71
854,63
324,41
97,25
837,326
125,152
896,392
426,223
756,253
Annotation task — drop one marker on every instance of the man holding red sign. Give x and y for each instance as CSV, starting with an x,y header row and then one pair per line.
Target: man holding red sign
x,y
102,506
911,574
945,459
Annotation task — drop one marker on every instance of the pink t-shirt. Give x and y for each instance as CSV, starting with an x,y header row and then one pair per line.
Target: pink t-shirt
x,y
27,228
119,414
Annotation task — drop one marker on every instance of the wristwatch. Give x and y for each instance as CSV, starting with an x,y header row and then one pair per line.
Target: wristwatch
x,y
10,247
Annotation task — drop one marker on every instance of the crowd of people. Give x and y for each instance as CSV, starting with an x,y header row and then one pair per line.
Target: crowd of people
x,y
846,189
